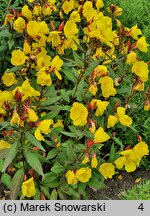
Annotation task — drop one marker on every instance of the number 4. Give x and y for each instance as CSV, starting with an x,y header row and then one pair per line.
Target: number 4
x,y
141,207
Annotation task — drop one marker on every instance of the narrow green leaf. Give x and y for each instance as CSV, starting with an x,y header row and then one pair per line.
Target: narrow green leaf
x,y
45,190
4,153
68,73
15,69
112,153
4,125
16,183
33,140
54,195
52,154
57,168
34,162
78,60
117,141
69,134
51,100
6,180
91,67
11,155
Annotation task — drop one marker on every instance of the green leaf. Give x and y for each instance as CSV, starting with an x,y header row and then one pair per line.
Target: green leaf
x,y
78,60
15,69
57,168
6,180
52,154
96,184
51,101
50,180
68,73
1,164
10,155
33,140
45,190
117,141
50,115
69,134
54,195
4,153
112,153
16,183
4,125
91,67
34,162
62,195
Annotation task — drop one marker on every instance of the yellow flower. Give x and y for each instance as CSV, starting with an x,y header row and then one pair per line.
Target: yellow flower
x,y
32,116
78,113
107,170
131,58
115,10
31,1
70,29
85,160
28,188
135,32
43,27
112,120
93,89
94,161
99,4
100,70
88,11
139,87
107,86
71,177
54,37
68,6
8,79
101,106
125,120
19,24
26,48
43,127
5,96
84,174
4,145
26,12
122,118
43,78
56,64
18,57
28,90
58,124
15,119
141,149
75,17
101,136
142,44
140,68
33,28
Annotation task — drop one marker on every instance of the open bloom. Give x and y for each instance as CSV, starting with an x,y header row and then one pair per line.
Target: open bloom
x,y
140,68
28,188
4,145
84,174
101,136
18,57
78,113
43,127
8,79
19,24
101,106
142,44
107,86
107,170
71,177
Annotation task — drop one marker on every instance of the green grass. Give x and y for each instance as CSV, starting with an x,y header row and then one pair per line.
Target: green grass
x,y
138,192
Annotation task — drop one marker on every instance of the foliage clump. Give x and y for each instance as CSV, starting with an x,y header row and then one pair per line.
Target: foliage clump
x,y
65,94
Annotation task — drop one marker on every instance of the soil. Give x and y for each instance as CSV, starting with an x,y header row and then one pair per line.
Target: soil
x,y
114,186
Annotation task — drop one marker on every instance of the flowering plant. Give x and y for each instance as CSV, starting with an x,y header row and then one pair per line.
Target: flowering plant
x,y
65,95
